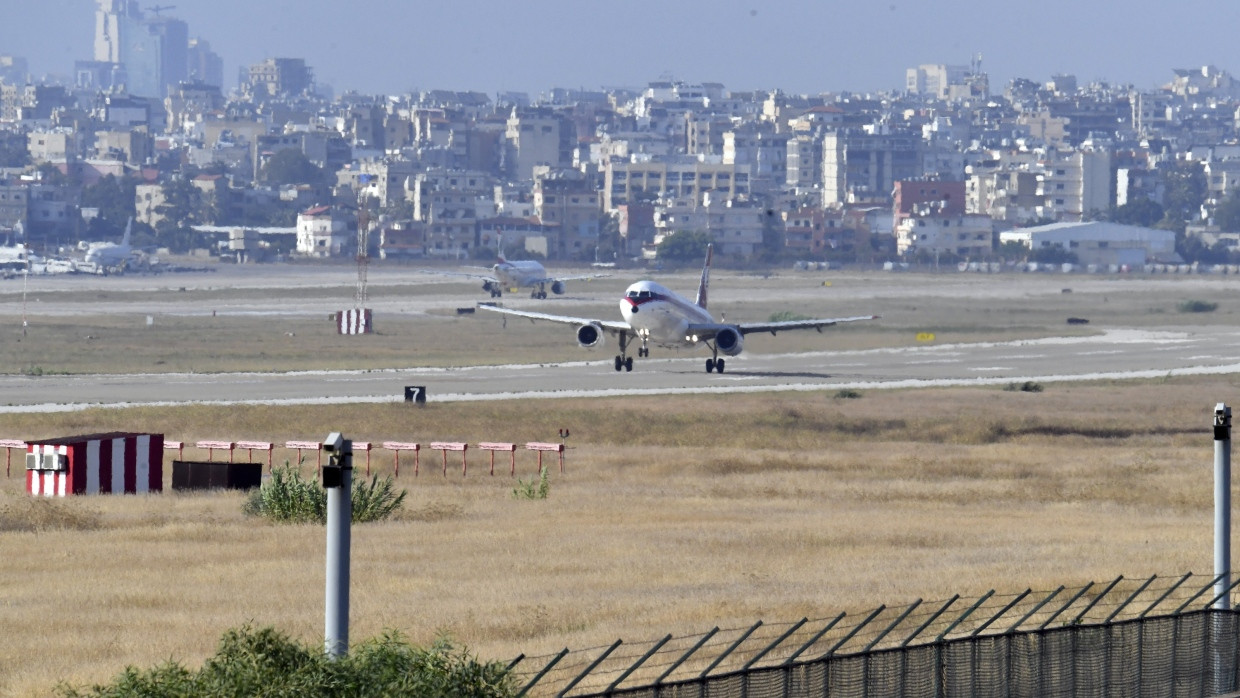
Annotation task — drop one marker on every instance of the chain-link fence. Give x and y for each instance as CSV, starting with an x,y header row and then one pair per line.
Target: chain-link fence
x,y
1152,637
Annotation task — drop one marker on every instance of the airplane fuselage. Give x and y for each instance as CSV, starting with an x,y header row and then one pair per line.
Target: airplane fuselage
x,y
661,315
519,274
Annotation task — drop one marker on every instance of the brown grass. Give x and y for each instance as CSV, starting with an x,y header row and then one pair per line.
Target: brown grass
x,y
675,514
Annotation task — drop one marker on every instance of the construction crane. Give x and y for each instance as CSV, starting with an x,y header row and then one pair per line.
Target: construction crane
x,y
159,8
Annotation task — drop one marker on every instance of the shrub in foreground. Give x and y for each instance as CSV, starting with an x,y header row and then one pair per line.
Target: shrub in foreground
x,y
534,489
287,498
266,662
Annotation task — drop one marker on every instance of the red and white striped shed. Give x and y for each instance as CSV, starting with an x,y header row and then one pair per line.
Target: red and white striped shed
x,y
112,463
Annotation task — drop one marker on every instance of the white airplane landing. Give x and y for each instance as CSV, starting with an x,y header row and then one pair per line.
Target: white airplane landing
x,y
653,314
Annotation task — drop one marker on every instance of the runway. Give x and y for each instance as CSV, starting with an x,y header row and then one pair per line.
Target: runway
x,y
1116,353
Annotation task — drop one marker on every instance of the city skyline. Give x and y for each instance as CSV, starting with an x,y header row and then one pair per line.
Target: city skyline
x,y
796,46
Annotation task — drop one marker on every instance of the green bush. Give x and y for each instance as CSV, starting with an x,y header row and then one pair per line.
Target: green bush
x,y
265,662
1197,307
1026,387
534,489
846,394
287,498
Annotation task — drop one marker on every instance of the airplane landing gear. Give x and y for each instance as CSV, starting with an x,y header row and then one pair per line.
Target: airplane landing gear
x,y
623,361
714,363
539,292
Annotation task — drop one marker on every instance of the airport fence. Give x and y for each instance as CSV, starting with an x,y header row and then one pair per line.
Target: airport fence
x,y
1151,637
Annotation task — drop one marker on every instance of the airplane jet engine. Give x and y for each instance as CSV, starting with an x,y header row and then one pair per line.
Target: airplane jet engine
x,y
590,336
729,341
557,287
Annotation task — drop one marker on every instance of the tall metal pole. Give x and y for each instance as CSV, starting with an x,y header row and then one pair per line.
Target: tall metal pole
x,y
338,480
1222,504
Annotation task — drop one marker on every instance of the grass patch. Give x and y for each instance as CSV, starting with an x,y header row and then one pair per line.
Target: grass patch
x,y
1197,306
40,514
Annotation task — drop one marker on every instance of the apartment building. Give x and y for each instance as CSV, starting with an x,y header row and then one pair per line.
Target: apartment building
x,y
1076,184
736,229
1010,196
909,195
676,177
929,230
537,136
860,166
571,204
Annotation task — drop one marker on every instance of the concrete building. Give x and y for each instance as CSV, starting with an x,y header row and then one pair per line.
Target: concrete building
x,y
280,77
1100,242
929,230
571,205
676,177
1076,184
863,167
1011,196
323,231
735,229
537,136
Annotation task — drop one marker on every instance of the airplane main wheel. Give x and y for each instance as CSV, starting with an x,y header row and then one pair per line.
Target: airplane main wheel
x,y
619,363
719,366
710,365
628,364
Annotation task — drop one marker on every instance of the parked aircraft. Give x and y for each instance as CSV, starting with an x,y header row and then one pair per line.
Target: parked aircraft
x,y
654,314
110,256
519,274
16,257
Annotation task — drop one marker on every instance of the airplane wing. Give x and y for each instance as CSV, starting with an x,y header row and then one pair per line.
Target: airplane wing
x,y
580,277
610,325
706,331
461,274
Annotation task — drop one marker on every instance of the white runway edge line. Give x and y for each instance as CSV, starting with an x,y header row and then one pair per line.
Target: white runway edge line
x,y
619,392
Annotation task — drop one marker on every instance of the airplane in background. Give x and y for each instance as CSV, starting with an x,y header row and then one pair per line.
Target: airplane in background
x,y
16,257
519,274
108,256
654,314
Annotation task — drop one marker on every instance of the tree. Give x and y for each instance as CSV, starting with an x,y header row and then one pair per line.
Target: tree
x,y
1186,191
1227,214
1141,212
684,246
115,198
291,166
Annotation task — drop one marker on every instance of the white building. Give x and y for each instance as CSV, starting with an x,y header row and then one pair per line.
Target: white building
x,y
1100,242
323,233
966,235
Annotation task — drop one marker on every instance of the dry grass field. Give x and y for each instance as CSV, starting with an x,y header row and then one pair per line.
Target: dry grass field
x,y
675,514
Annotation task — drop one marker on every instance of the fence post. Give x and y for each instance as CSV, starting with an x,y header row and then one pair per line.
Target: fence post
x,y
1222,503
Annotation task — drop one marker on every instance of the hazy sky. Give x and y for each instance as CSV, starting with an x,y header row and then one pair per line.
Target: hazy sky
x,y
800,46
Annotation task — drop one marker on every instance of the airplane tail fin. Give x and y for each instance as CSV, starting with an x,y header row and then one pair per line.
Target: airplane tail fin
x,y
499,246
704,284
128,227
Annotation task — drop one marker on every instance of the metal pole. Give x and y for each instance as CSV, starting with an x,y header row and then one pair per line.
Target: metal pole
x,y
338,480
1222,504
